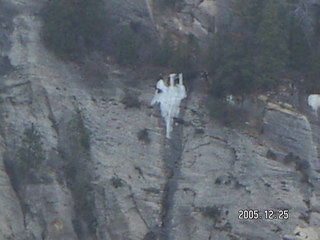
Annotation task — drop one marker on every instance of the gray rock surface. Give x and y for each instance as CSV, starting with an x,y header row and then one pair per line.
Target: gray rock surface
x,y
191,187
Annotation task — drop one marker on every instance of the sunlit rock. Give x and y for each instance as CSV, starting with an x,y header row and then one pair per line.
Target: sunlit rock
x,y
306,233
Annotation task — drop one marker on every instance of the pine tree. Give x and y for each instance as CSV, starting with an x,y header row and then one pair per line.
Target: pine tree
x,y
271,45
248,14
230,62
235,74
31,153
313,73
165,52
70,27
298,46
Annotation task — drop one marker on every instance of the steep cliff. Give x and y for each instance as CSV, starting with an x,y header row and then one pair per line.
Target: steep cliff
x,y
105,169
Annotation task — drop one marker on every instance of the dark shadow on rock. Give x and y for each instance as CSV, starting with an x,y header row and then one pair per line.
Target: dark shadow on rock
x,y
5,66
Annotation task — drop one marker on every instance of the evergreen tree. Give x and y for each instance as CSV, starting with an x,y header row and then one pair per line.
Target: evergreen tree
x,y
165,51
316,24
248,14
232,67
69,27
298,46
31,153
184,55
253,58
271,45
125,45
313,73
180,56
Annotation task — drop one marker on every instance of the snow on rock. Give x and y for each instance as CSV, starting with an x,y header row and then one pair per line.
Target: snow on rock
x,y
230,99
169,96
306,233
314,102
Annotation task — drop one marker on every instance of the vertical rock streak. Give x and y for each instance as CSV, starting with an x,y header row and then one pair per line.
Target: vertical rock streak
x,y
172,161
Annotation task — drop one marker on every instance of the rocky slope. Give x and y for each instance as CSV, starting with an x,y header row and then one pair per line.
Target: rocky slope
x,y
99,180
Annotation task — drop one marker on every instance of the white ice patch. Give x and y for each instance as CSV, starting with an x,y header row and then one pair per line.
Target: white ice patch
x,y
169,96
230,99
314,102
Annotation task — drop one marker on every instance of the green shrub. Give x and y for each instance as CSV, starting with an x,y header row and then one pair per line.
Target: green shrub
x,y
143,136
291,158
271,40
225,113
150,236
81,133
301,165
73,27
130,100
167,4
180,56
316,19
23,166
299,50
313,73
130,43
126,45
231,65
271,155
212,212
31,154
184,56
76,156
116,182
250,59
165,52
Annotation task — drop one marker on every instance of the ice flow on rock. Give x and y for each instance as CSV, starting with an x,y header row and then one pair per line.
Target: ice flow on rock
x,y
314,102
169,96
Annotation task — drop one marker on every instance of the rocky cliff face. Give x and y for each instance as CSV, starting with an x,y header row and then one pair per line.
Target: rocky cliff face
x,y
101,177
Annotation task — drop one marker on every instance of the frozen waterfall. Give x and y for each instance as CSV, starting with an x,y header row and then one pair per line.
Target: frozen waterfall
x,y
314,102
169,96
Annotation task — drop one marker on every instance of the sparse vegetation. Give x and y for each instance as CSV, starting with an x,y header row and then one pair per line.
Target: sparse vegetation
x,y
250,54
177,55
212,212
5,65
116,182
29,158
299,164
199,131
313,72
80,131
143,136
291,158
31,154
130,100
271,57
299,48
150,236
261,44
70,28
24,166
305,217
167,4
254,58
76,156
126,45
271,155
225,113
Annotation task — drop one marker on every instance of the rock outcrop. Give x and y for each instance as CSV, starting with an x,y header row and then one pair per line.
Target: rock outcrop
x,y
108,171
